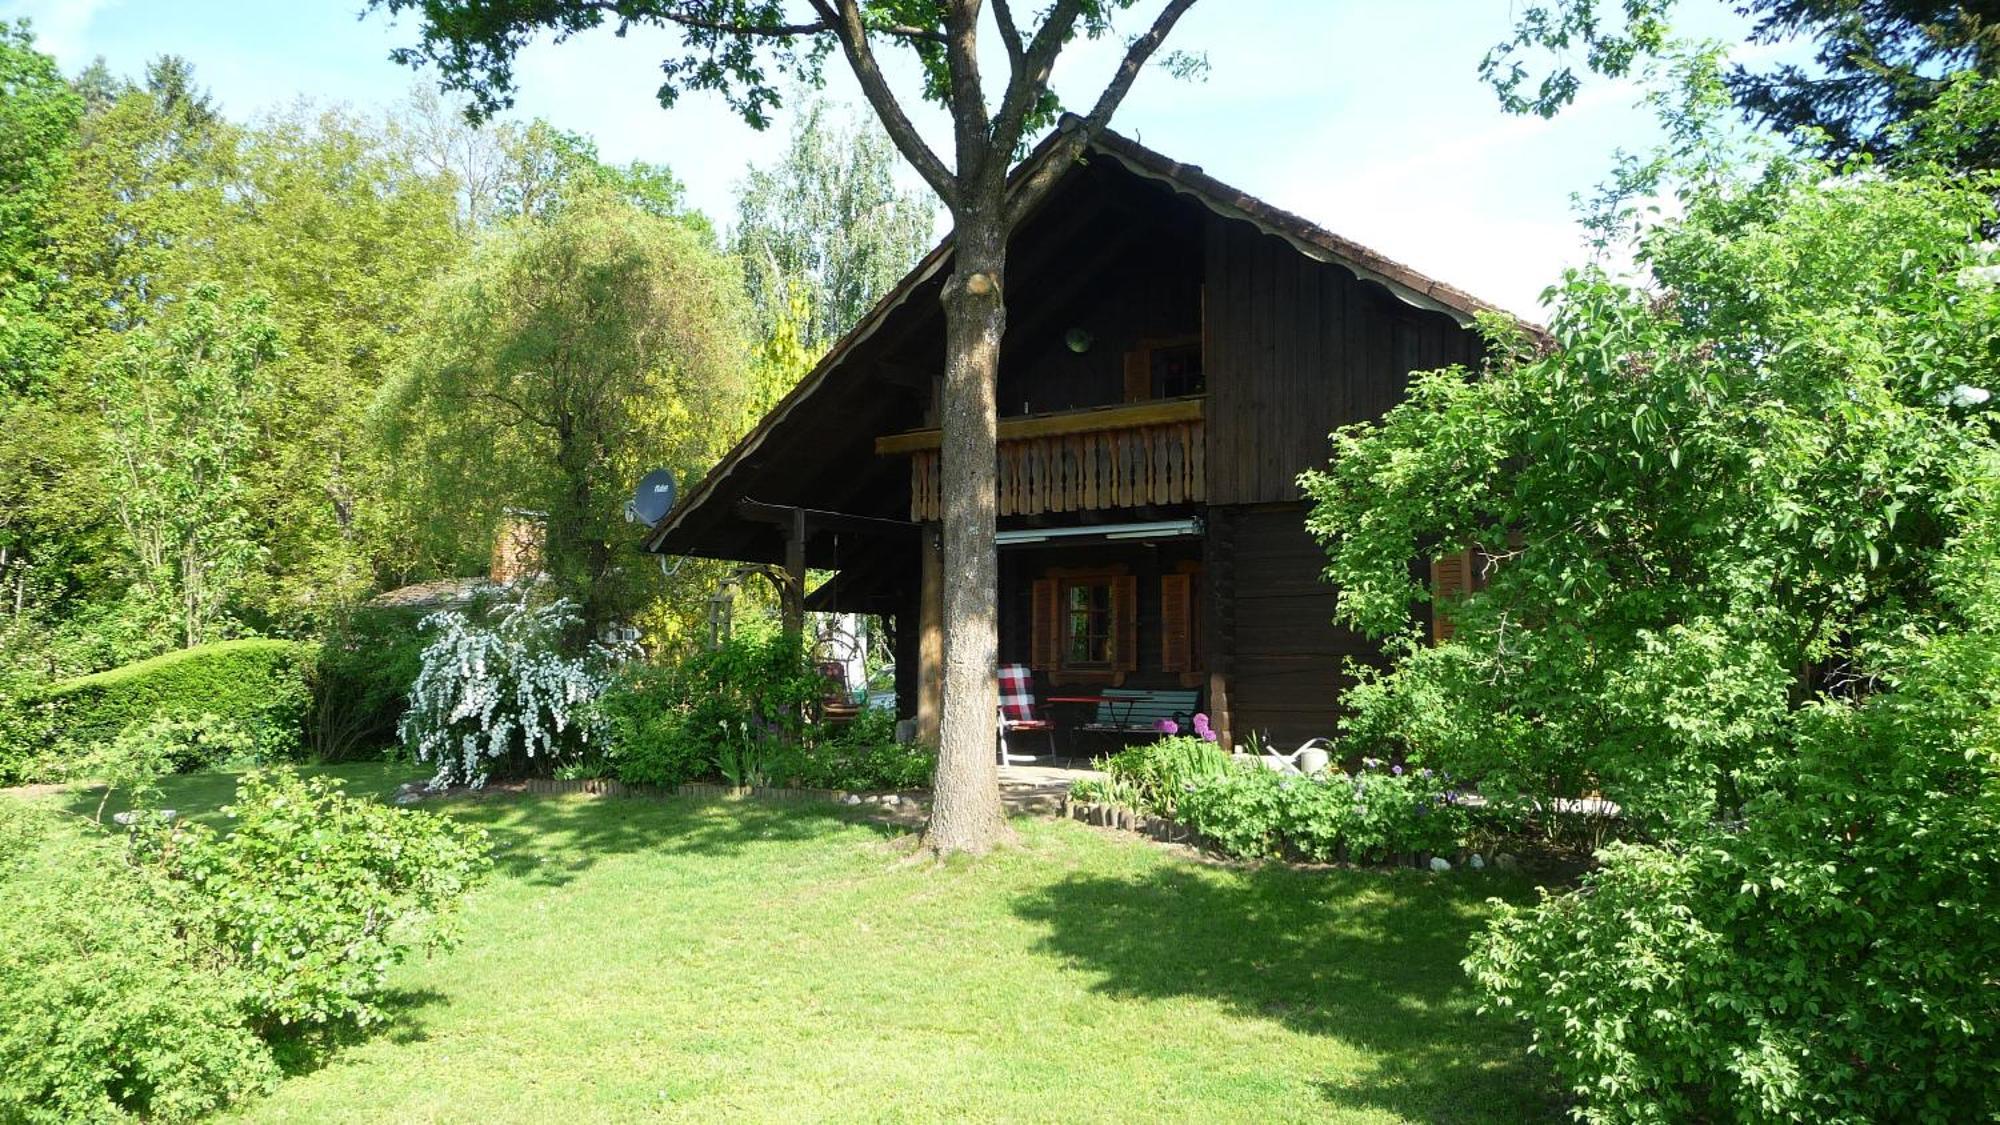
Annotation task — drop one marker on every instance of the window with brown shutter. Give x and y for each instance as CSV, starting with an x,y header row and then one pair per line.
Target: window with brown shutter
x,y
1044,644
1125,617
1085,625
1176,623
1451,577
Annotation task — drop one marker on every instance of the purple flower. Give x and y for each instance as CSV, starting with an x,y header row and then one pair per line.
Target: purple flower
x,y
1397,770
1209,736
1167,726
1425,774
1200,723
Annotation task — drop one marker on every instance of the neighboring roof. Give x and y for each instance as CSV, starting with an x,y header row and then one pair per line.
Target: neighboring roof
x,y
439,593
1308,238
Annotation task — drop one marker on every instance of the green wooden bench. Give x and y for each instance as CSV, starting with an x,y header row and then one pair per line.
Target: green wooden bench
x,y
1139,710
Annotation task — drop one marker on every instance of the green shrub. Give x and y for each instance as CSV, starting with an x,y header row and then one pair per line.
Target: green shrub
x,y
314,894
27,744
1157,774
1256,813
862,755
738,711
1239,812
257,685
105,1012
1830,957
360,682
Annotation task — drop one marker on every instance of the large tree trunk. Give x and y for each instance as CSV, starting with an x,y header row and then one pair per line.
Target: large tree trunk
x,y
965,815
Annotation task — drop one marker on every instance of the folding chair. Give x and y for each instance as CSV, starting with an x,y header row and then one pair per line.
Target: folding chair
x,y
1017,711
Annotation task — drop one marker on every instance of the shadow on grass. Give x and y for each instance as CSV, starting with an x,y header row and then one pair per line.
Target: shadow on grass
x,y
1367,957
313,1048
200,796
551,841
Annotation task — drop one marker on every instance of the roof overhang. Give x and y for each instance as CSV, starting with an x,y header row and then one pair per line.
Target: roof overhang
x,y
1307,238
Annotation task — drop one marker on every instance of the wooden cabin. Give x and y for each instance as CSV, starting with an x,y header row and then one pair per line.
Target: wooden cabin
x,y
1176,354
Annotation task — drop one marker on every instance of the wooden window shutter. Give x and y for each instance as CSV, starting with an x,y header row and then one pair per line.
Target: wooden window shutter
x,y
1045,632
1176,621
1451,577
1138,375
1125,622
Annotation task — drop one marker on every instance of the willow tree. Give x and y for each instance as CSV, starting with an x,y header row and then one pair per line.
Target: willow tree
x,y
742,49
566,357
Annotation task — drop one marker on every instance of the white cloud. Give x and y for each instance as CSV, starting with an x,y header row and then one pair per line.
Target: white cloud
x,y
61,26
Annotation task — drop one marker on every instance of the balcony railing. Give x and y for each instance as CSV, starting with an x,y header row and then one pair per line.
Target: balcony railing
x,y
1127,456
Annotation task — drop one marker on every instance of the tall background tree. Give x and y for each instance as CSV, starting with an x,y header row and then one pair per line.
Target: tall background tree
x,y
825,231
568,355
1877,65
741,48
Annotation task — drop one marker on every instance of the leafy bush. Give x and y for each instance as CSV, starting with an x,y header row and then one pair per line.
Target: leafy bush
x,y
502,697
256,685
1157,774
1743,518
314,894
27,744
105,1011
202,741
361,681
862,755
1831,957
1254,812
1240,812
738,711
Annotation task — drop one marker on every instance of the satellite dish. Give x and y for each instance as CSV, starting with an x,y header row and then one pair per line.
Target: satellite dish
x,y
653,499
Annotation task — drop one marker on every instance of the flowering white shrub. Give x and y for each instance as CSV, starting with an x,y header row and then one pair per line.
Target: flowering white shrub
x,y
504,691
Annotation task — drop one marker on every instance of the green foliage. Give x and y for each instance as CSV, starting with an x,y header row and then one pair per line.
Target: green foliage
x,y
360,682
558,364
1153,776
256,686
314,894
827,226
106,1013
177,410
1740,528
734,711
1379,812
864,754
39,115
1702,503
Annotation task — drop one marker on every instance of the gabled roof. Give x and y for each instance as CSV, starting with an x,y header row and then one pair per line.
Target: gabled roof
x,y
1306,237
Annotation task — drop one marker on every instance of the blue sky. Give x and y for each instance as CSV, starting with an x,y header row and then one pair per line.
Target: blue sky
x,y
1366,116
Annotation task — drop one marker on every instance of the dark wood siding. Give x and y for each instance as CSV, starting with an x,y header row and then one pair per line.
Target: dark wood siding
x,y
1295,349
1276,640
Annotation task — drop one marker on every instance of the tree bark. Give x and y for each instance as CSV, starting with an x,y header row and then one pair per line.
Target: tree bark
x,y
965,813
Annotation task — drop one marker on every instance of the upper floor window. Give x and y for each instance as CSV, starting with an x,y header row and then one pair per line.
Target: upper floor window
x,y
1164,368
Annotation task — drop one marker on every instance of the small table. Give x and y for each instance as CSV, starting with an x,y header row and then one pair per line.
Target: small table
x,y
1069,730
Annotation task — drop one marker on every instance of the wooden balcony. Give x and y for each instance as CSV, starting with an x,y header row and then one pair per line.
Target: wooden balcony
x,y
1126,456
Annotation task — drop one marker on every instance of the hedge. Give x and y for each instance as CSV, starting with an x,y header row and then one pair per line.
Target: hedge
x,y
259,685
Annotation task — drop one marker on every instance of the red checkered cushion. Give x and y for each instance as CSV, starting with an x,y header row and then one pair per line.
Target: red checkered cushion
x,y
1017,694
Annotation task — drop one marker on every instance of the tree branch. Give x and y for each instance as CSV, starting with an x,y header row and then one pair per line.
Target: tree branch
x,y
1010,35
854,42
968,98
1077,138
827,22
1031,74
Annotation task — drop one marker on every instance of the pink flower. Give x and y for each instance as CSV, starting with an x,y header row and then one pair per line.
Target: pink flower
x,y
1167,726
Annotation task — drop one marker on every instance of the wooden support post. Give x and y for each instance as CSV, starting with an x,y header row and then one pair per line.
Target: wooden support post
x,y
1218,710
930,640
795,573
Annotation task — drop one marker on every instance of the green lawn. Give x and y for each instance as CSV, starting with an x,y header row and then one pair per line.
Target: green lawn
x,y
639,959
